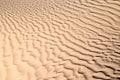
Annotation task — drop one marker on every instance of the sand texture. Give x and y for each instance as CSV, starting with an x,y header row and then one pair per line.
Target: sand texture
x,y
59,39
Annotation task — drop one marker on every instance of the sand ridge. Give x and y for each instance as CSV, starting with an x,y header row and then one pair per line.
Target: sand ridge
x,y
59,40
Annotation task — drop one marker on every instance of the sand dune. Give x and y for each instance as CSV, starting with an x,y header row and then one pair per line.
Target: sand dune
x,y
59,40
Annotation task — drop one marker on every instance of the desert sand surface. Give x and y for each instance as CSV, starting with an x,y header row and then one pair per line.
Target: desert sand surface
x,y
59,39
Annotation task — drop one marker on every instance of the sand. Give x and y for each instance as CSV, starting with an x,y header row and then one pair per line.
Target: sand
x,y
59,39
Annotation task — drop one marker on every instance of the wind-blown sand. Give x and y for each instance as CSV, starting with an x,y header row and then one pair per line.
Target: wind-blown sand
x,y
59,39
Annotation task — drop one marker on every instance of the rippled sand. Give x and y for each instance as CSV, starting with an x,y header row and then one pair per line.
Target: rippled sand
x,y
59,39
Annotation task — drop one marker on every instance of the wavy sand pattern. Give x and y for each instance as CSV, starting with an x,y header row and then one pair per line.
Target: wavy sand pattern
x,y
59,39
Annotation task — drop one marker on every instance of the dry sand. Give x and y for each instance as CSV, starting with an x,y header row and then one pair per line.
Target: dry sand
x,y
59,39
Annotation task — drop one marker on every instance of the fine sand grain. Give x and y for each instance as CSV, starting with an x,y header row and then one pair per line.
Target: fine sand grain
x,y
59,39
